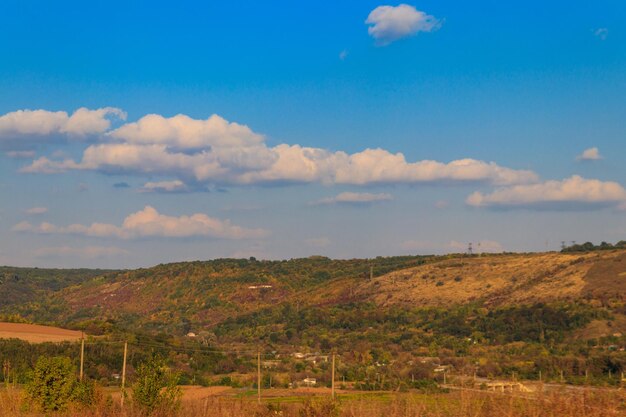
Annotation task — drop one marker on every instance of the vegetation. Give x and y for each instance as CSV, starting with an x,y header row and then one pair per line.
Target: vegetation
x,y
155,388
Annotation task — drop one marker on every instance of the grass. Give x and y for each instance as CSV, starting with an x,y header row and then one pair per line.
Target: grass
x,y
585,403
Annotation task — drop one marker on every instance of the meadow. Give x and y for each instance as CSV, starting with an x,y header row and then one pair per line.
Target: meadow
x,y
585,403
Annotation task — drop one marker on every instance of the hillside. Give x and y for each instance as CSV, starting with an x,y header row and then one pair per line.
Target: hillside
x,y
181,296
37,334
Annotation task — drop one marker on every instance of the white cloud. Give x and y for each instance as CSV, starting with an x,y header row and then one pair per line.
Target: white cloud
x,y
441,204
175,186
591,154
601,33
354,198
37,210
150,223
571,193
20,154
389,23
343,54
218,152
88,252
28,123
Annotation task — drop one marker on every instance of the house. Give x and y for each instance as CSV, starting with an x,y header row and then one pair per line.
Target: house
x,y
191,334
309,382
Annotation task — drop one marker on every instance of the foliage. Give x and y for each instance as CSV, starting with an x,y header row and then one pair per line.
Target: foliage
x,y
156,387
53,385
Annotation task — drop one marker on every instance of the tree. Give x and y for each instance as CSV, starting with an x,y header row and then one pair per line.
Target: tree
x,y
156,387
53,383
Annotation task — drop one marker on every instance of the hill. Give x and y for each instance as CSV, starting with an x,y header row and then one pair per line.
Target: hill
x,y
179,297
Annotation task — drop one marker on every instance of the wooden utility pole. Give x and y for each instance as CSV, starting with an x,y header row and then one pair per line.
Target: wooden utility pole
x,y
540,379
124,374
82,356
258,376
332,376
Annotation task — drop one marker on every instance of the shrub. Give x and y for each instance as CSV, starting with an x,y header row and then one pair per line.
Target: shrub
x,y
52,387
156,387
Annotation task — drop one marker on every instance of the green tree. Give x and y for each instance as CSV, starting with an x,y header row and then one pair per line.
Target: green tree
x,y
155,388
53,383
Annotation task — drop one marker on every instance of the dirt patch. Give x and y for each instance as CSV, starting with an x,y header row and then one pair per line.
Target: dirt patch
x,y
35,333
607,278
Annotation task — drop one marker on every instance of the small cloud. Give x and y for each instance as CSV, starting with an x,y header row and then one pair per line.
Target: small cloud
x,y
442,204
175,186
20,154
343,54
121,185
390,23
33,123
601,33
36,210
354,198
591,154
572,193
82,187
318,242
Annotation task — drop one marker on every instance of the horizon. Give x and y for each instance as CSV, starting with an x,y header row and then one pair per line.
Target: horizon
x,y
281,131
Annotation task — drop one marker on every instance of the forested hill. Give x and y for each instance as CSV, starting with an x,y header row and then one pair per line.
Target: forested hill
x,y
27,285
178,297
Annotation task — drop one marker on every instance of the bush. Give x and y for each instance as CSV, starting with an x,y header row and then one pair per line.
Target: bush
x,y
156,387
320,408
53,385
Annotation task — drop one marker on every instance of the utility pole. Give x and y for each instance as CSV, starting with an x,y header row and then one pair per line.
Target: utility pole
x,y
371,272
82,356
124,374
258,376
332,376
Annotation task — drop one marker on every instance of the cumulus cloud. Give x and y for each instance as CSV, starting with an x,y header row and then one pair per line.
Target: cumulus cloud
x,y
83,122
217,152
573,193
591,154
150,223
37,210
390,23
175,186
354,198
88,252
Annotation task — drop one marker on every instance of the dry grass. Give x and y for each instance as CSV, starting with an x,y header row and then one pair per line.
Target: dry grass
x,y
34,333
457,404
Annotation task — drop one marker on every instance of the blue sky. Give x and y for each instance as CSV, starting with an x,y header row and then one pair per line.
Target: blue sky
x,y
323,127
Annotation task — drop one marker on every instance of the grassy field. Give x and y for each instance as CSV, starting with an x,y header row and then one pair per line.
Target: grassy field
x,y
34,333
213,402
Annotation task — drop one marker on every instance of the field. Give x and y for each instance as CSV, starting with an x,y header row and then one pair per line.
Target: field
x,y
220,402
34,333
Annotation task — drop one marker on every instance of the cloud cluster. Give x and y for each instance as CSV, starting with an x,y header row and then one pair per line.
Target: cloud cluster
x,y
150,223
83,122
217,152
591,154
354,198
390,23
571,193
